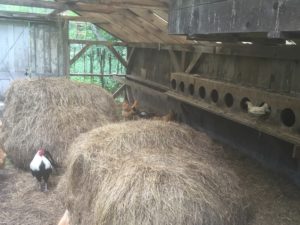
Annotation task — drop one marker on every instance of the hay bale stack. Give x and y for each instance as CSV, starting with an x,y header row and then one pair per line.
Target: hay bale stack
x,y
51,113
150,172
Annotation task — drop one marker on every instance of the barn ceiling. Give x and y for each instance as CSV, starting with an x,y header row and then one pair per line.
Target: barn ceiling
x,y
143,21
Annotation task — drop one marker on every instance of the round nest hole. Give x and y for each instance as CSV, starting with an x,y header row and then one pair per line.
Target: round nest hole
x,y
243,104
288,117
229,100
173,84
191,89
181,86
202,92
214,96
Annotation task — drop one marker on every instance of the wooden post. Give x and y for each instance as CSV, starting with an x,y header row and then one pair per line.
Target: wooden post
x,y
92,65
66,48
101,67
79,54
174,61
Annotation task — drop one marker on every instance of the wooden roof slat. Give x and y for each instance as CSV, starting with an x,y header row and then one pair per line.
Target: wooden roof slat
x,y
162,13
133,23
162,35
149,16
129,20
149,4
114,28
82,6
120,26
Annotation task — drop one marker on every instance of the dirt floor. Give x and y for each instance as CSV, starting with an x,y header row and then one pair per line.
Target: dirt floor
x,y
273,198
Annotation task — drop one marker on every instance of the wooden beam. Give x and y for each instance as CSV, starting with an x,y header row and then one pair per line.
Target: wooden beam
x,y
55,12
33,3
129,58
118,56
145,4
96,75
90,19
194,61
267,128
148,83
26,16
261,51
175,47
174,61
48,17
80,53
83,6
183,60
66,48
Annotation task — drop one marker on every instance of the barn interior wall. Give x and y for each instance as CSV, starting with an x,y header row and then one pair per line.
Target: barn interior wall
x,y
271,75
152,64
29,46
280,76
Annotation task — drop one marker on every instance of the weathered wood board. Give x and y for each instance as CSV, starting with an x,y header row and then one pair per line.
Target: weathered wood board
x,y
206,17
28,46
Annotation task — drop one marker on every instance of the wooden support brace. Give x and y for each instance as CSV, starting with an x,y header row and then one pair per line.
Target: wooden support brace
x,y
55,12
66,48
118,56
194,61
174,61
129,94
119,91
183,60
130,55
80,53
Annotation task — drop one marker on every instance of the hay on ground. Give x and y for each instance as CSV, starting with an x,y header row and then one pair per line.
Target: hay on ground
x,y
150,172
51,113
21,201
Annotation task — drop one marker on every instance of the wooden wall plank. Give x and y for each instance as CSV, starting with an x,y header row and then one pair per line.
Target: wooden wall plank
x,y
230,17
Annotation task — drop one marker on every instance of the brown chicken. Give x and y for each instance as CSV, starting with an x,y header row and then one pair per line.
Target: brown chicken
x,y
128,112
171,116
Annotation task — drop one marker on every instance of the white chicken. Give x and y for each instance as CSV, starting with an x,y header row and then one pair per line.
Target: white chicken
x,y
41,167
258,110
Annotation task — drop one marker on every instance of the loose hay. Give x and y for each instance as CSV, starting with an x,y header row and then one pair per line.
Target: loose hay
x,y
21,202
51,113
150,172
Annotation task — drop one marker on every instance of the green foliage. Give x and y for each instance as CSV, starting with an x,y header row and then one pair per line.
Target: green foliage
x,y
85,31
108,83
98,59
25,9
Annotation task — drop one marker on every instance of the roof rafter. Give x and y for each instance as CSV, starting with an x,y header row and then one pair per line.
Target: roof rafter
x,y
80,6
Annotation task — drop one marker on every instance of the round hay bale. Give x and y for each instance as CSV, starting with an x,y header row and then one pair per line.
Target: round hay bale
x,y
150,173
51,113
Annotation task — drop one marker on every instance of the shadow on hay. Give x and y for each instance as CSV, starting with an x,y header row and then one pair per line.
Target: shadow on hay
x,y
51,113
150,172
